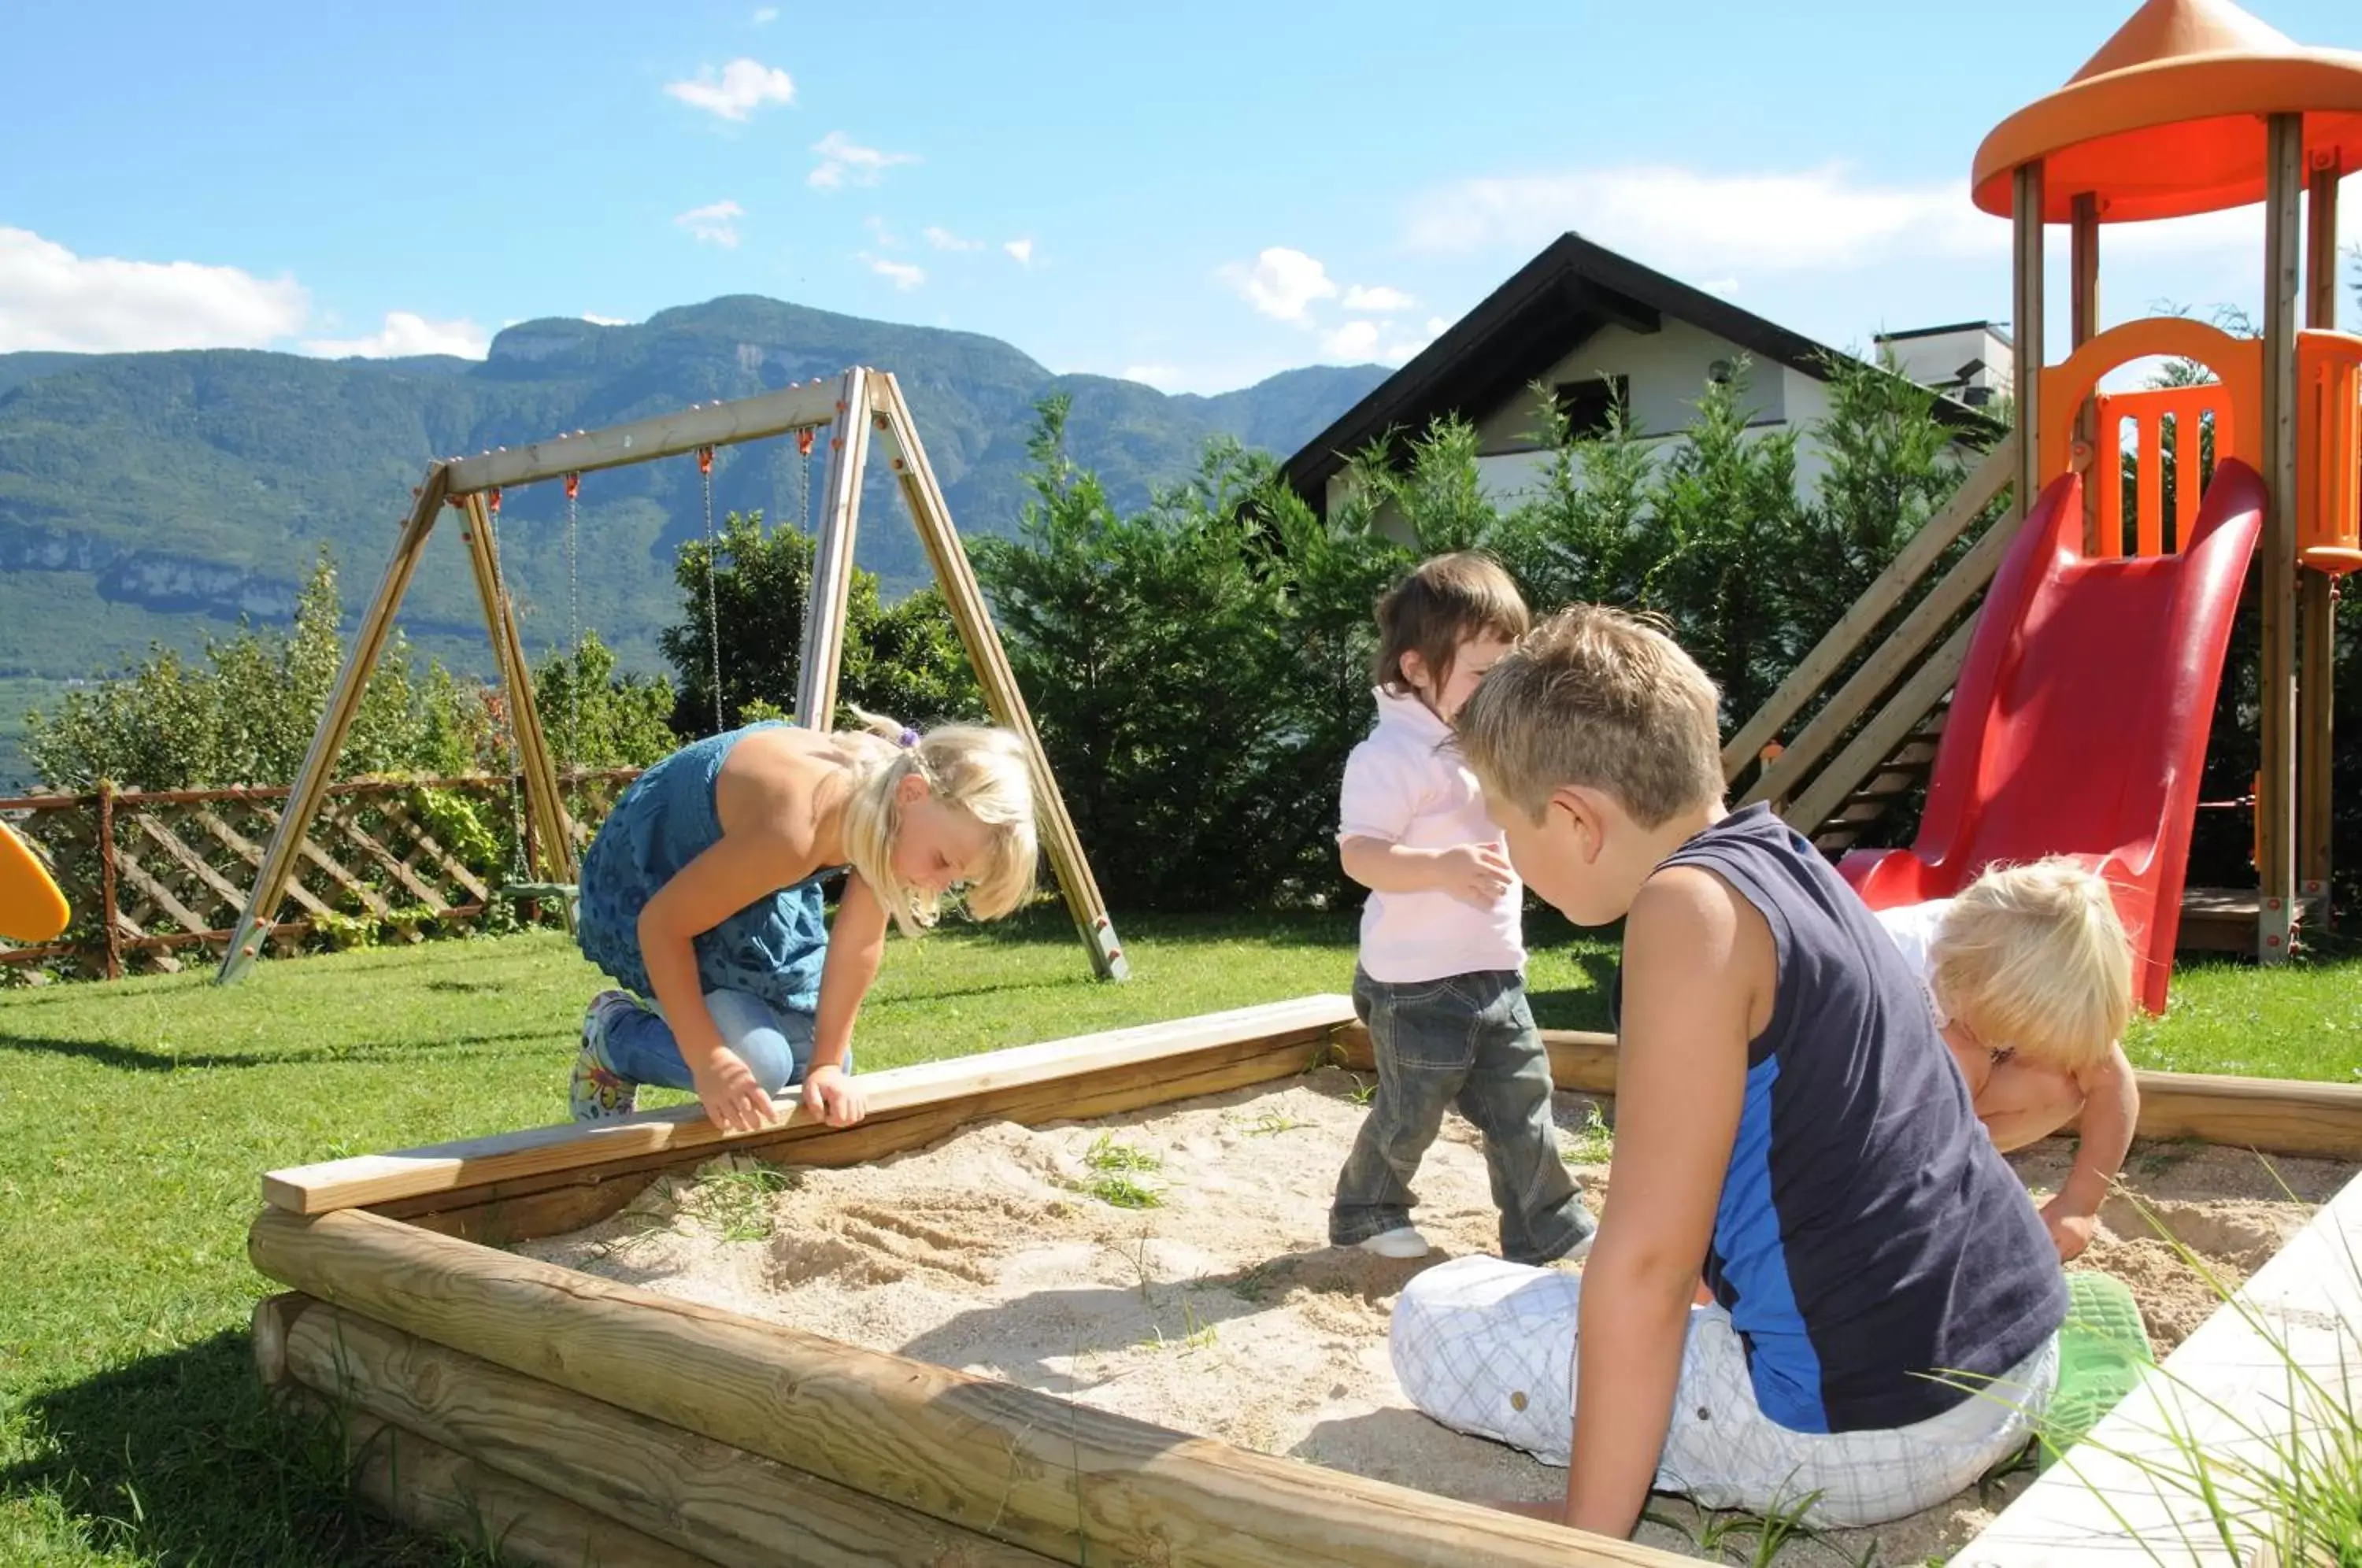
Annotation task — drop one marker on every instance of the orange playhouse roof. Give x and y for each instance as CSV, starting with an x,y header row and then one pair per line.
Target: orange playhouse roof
x,y
2166,120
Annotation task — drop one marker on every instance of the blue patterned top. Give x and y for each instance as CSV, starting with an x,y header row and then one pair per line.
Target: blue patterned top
x,y
773,948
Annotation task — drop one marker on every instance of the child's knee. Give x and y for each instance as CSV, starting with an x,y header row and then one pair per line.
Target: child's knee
x,y
757,1036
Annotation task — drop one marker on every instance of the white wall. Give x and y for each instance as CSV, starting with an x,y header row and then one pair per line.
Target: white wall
x,y
1936,359
1667,370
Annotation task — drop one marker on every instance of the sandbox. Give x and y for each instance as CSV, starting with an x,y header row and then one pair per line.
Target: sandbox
x,y
970,1350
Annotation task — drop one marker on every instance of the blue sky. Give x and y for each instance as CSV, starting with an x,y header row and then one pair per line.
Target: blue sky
x,y
1194,196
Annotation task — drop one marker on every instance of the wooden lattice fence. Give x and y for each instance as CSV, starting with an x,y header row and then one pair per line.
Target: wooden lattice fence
x,y
157,879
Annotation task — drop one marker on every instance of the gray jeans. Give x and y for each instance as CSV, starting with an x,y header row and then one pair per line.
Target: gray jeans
x,y
1468,1041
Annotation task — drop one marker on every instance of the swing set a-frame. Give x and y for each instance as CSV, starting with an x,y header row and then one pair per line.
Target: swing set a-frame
x,y
854,409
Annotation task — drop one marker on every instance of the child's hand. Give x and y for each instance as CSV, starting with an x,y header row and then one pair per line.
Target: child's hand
x,y
2071,1231
733,1099
1475,874
830,1094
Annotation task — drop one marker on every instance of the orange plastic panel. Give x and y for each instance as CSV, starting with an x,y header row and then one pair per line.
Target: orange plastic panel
x,y
31,908
2329,451
2236,400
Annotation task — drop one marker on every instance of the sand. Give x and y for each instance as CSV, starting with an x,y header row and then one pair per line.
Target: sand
x,y
1221,1311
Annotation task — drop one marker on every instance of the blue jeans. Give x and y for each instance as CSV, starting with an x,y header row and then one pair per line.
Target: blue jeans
x,y
774,1044
1470,1041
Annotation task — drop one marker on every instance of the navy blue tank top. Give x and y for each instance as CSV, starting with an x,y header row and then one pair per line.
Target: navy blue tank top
x,y
1872,1247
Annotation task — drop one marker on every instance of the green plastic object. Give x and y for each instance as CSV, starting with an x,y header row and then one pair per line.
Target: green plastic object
x,y
2103,1353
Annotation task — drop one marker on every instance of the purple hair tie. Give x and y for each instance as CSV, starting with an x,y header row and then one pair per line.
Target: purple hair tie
x,y
909,738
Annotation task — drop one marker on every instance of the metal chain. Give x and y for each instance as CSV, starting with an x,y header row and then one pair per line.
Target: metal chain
x,y
712,600
574,631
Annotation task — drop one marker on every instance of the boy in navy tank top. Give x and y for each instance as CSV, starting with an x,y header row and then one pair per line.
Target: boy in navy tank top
x,y
1789,1125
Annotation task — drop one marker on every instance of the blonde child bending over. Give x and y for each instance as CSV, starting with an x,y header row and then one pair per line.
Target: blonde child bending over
x,y
701,894
1441,982
2031,978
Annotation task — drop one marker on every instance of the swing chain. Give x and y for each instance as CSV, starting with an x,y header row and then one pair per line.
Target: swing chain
x,y
713,589
574,631
803,502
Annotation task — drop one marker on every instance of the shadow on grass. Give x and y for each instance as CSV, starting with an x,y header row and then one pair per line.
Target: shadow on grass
x,y
131,1058
178,1457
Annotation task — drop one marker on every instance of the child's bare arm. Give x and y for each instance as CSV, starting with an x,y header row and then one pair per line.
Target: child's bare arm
x,y
1477,872
2110,1110
1697,978
731,873
857,944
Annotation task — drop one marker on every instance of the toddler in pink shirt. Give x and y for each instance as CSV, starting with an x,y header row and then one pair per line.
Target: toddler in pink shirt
x,y
1441,982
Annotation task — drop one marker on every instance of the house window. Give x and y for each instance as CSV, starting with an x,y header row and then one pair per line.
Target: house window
x,y
1590,404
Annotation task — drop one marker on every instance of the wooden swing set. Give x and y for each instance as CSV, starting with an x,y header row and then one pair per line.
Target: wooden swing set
x,y
854,409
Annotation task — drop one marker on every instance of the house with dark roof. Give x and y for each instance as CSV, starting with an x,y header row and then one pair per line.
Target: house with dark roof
x,y
1594,328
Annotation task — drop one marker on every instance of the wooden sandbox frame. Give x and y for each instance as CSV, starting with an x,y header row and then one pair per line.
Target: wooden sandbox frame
x,y
576,1420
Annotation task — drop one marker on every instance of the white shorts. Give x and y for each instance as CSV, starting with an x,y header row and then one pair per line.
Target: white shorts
x,y
1487,1347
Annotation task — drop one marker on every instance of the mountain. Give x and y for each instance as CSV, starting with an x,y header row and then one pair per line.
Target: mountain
x,y
159,496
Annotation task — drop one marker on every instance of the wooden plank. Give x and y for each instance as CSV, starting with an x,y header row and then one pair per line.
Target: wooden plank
x,y
1868,750
448,864
2026,200
237,843
805,406
548,1204
189,860
2239,1391
489,1516
2275,787
1886,591
2272,1116
822,658
2083,326
1903,650
1581,1061
973,619
375,1178
312,782
553,837
139,876
388,861
336,872
2316,598
1070,1482
717,1503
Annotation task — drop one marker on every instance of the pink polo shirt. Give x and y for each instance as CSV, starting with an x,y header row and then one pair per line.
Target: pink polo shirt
x,y
1400,788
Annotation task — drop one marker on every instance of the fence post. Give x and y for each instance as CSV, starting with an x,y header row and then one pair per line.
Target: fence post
x,y
107,915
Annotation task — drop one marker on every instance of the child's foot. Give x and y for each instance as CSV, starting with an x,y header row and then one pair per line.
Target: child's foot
x,y
597,1092
1402,1241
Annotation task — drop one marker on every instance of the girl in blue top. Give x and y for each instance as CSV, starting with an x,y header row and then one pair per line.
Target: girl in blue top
x,y
701,895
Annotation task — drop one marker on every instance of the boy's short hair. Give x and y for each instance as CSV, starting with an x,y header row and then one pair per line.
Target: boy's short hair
x,y
1600,699
2034,958
1443,602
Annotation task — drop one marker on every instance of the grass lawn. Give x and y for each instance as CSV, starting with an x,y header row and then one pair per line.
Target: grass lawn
x,y
138,1117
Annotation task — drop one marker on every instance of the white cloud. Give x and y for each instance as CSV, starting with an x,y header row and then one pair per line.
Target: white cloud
x,y
1164,378
1282,284
742,86
884,235
903,275
765,15
604,320
1378,299
1696,222
51,298
716,223
1356,340
1022,249
945,239
406,331
843,162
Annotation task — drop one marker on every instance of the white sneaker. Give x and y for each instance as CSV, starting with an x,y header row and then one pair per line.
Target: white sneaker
x,y
1402,1241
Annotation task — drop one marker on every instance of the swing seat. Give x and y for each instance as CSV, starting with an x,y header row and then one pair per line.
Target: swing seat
x,y
526,891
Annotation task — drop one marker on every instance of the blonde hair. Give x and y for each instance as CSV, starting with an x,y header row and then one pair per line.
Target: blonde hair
x,y
2033,957
977,771
1602,699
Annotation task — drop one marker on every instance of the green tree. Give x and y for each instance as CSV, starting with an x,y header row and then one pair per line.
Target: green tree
x,y
595,718
243,712
904,659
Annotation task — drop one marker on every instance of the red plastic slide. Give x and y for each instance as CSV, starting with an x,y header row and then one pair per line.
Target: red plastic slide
x,y
2078,723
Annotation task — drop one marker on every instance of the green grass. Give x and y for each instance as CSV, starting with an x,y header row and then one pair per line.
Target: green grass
x,y
139,1115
